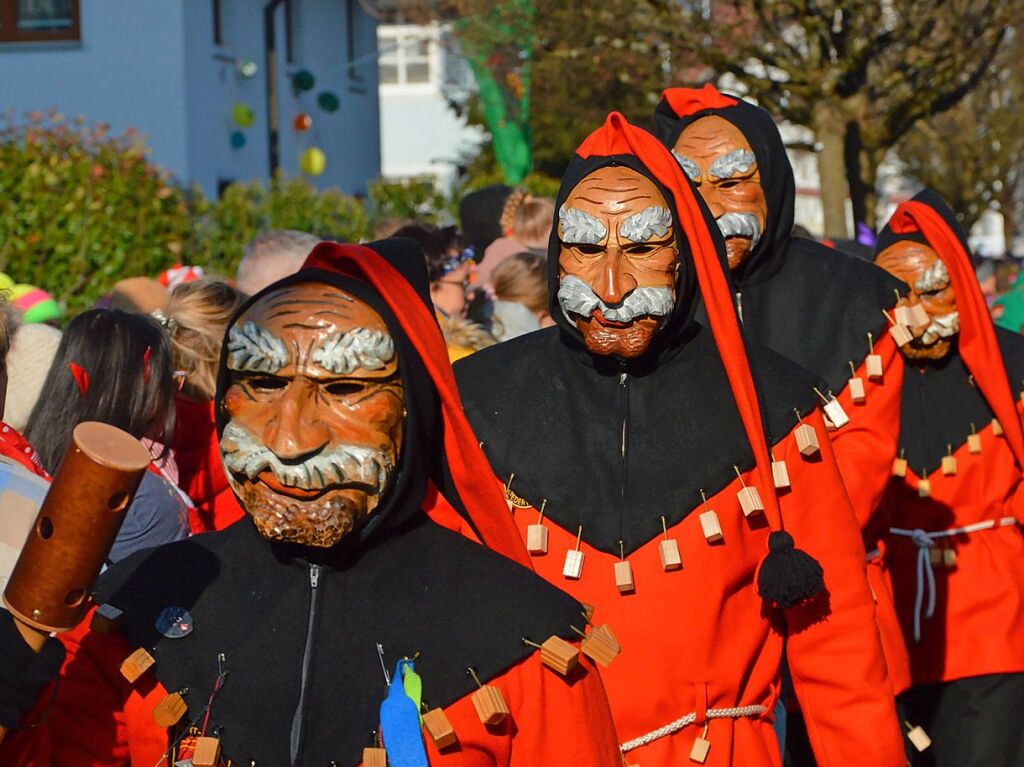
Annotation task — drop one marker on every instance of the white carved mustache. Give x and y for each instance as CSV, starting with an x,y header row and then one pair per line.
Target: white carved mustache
x,y
341,465
740,225
941,326
577,297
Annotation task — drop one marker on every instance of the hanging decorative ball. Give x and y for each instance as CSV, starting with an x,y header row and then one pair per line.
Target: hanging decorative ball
x,y
302,122
246,69
329,102
303,80
237,139
313,161
242,114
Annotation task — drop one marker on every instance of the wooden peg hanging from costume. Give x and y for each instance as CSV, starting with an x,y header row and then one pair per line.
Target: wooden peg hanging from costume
x,y
206,752
918,319
924,485
1021,396
573,567
899,465
135,665
780,474
375,757
600,645
701,747
709,522
537,533
557,654
806,437
170,710
749,498
917,736
974,441
834,412
949,462
623,573
873,362
508,492
900,333
439,728
949,557
668,551
997,428
856,386
488,701
588,611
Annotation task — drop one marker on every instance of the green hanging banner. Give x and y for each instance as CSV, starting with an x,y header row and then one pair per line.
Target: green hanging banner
x,y
498,45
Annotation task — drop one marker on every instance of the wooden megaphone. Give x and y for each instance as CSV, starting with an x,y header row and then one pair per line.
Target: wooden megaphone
x,y
48,591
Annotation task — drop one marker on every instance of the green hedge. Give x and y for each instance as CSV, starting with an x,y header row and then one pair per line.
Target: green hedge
x,y
81,208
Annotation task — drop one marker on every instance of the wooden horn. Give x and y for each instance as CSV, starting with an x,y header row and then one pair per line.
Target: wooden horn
x,y
48,591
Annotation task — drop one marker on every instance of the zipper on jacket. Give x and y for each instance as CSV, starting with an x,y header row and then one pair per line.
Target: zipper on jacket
x,y
623,437
307,660
739,306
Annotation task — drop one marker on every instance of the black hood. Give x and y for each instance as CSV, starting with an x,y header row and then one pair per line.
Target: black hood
x,y
887,237
776,178
680,323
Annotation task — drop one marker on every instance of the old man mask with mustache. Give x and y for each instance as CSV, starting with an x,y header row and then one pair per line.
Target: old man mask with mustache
x,y
618,260
718,159
314,408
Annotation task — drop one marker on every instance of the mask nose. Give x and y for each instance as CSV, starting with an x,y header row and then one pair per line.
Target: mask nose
x,y
296,432
613,283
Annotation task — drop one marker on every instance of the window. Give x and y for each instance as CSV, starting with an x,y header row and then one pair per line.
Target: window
x,y
406,56
30,21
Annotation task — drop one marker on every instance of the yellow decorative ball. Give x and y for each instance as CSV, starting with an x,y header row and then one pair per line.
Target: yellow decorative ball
x,y
313,161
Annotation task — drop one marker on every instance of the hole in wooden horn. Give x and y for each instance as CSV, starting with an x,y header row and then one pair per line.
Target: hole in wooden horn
x,y
44,528
74,598
118,501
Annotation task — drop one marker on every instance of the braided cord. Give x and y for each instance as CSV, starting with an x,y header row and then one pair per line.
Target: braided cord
x,y
685,721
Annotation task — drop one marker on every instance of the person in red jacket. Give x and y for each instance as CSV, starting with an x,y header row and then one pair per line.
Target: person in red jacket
x,y
821,308
631,442
273,641
196,315
955,550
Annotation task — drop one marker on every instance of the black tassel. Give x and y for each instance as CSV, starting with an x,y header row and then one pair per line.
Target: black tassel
x,y
788,576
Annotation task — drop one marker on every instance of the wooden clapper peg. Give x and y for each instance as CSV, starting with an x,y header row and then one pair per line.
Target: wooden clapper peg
x,y
709,522
488,701
135,665
856,386
873,362
170,710
557,654
375,757
1021,396
917,736
806,437
206,752
899,465
623,573
701,747
948,462
600,645
924,485
974,441
537,533
573,567
749,498
834,412
508,493
440,730
900,333
780,474
997,428
668,551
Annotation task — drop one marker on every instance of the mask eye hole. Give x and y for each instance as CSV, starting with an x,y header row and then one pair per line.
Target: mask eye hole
x,y
588,249
343,388
729,184
267,383
639,250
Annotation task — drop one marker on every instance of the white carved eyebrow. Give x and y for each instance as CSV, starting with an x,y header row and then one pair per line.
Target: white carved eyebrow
x,y
365,348
728,165
578,226
650,223
689,167
935,277
255,349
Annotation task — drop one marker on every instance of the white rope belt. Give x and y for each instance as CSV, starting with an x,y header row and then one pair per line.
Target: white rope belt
x,y
686,721
925,574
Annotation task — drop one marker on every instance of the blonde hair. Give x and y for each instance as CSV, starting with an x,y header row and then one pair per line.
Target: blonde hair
x,y
195,319
528,218
522,278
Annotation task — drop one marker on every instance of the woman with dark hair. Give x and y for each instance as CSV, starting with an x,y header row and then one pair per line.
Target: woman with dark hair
x,y
115,367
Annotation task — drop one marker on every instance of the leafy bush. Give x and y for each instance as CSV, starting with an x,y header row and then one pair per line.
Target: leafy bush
x,y
415,199
80,208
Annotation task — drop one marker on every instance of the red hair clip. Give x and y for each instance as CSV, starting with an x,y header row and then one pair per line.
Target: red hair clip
x,y
81,377
145,364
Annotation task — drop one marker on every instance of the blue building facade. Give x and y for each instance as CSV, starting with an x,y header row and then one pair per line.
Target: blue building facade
x,y
183,71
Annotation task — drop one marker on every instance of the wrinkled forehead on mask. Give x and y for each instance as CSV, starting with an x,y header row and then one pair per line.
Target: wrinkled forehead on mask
x,y
916,263
310,327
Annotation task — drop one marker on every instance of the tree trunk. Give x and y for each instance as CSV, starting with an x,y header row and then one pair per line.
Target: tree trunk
x,y
829,132
862,176
1009,211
